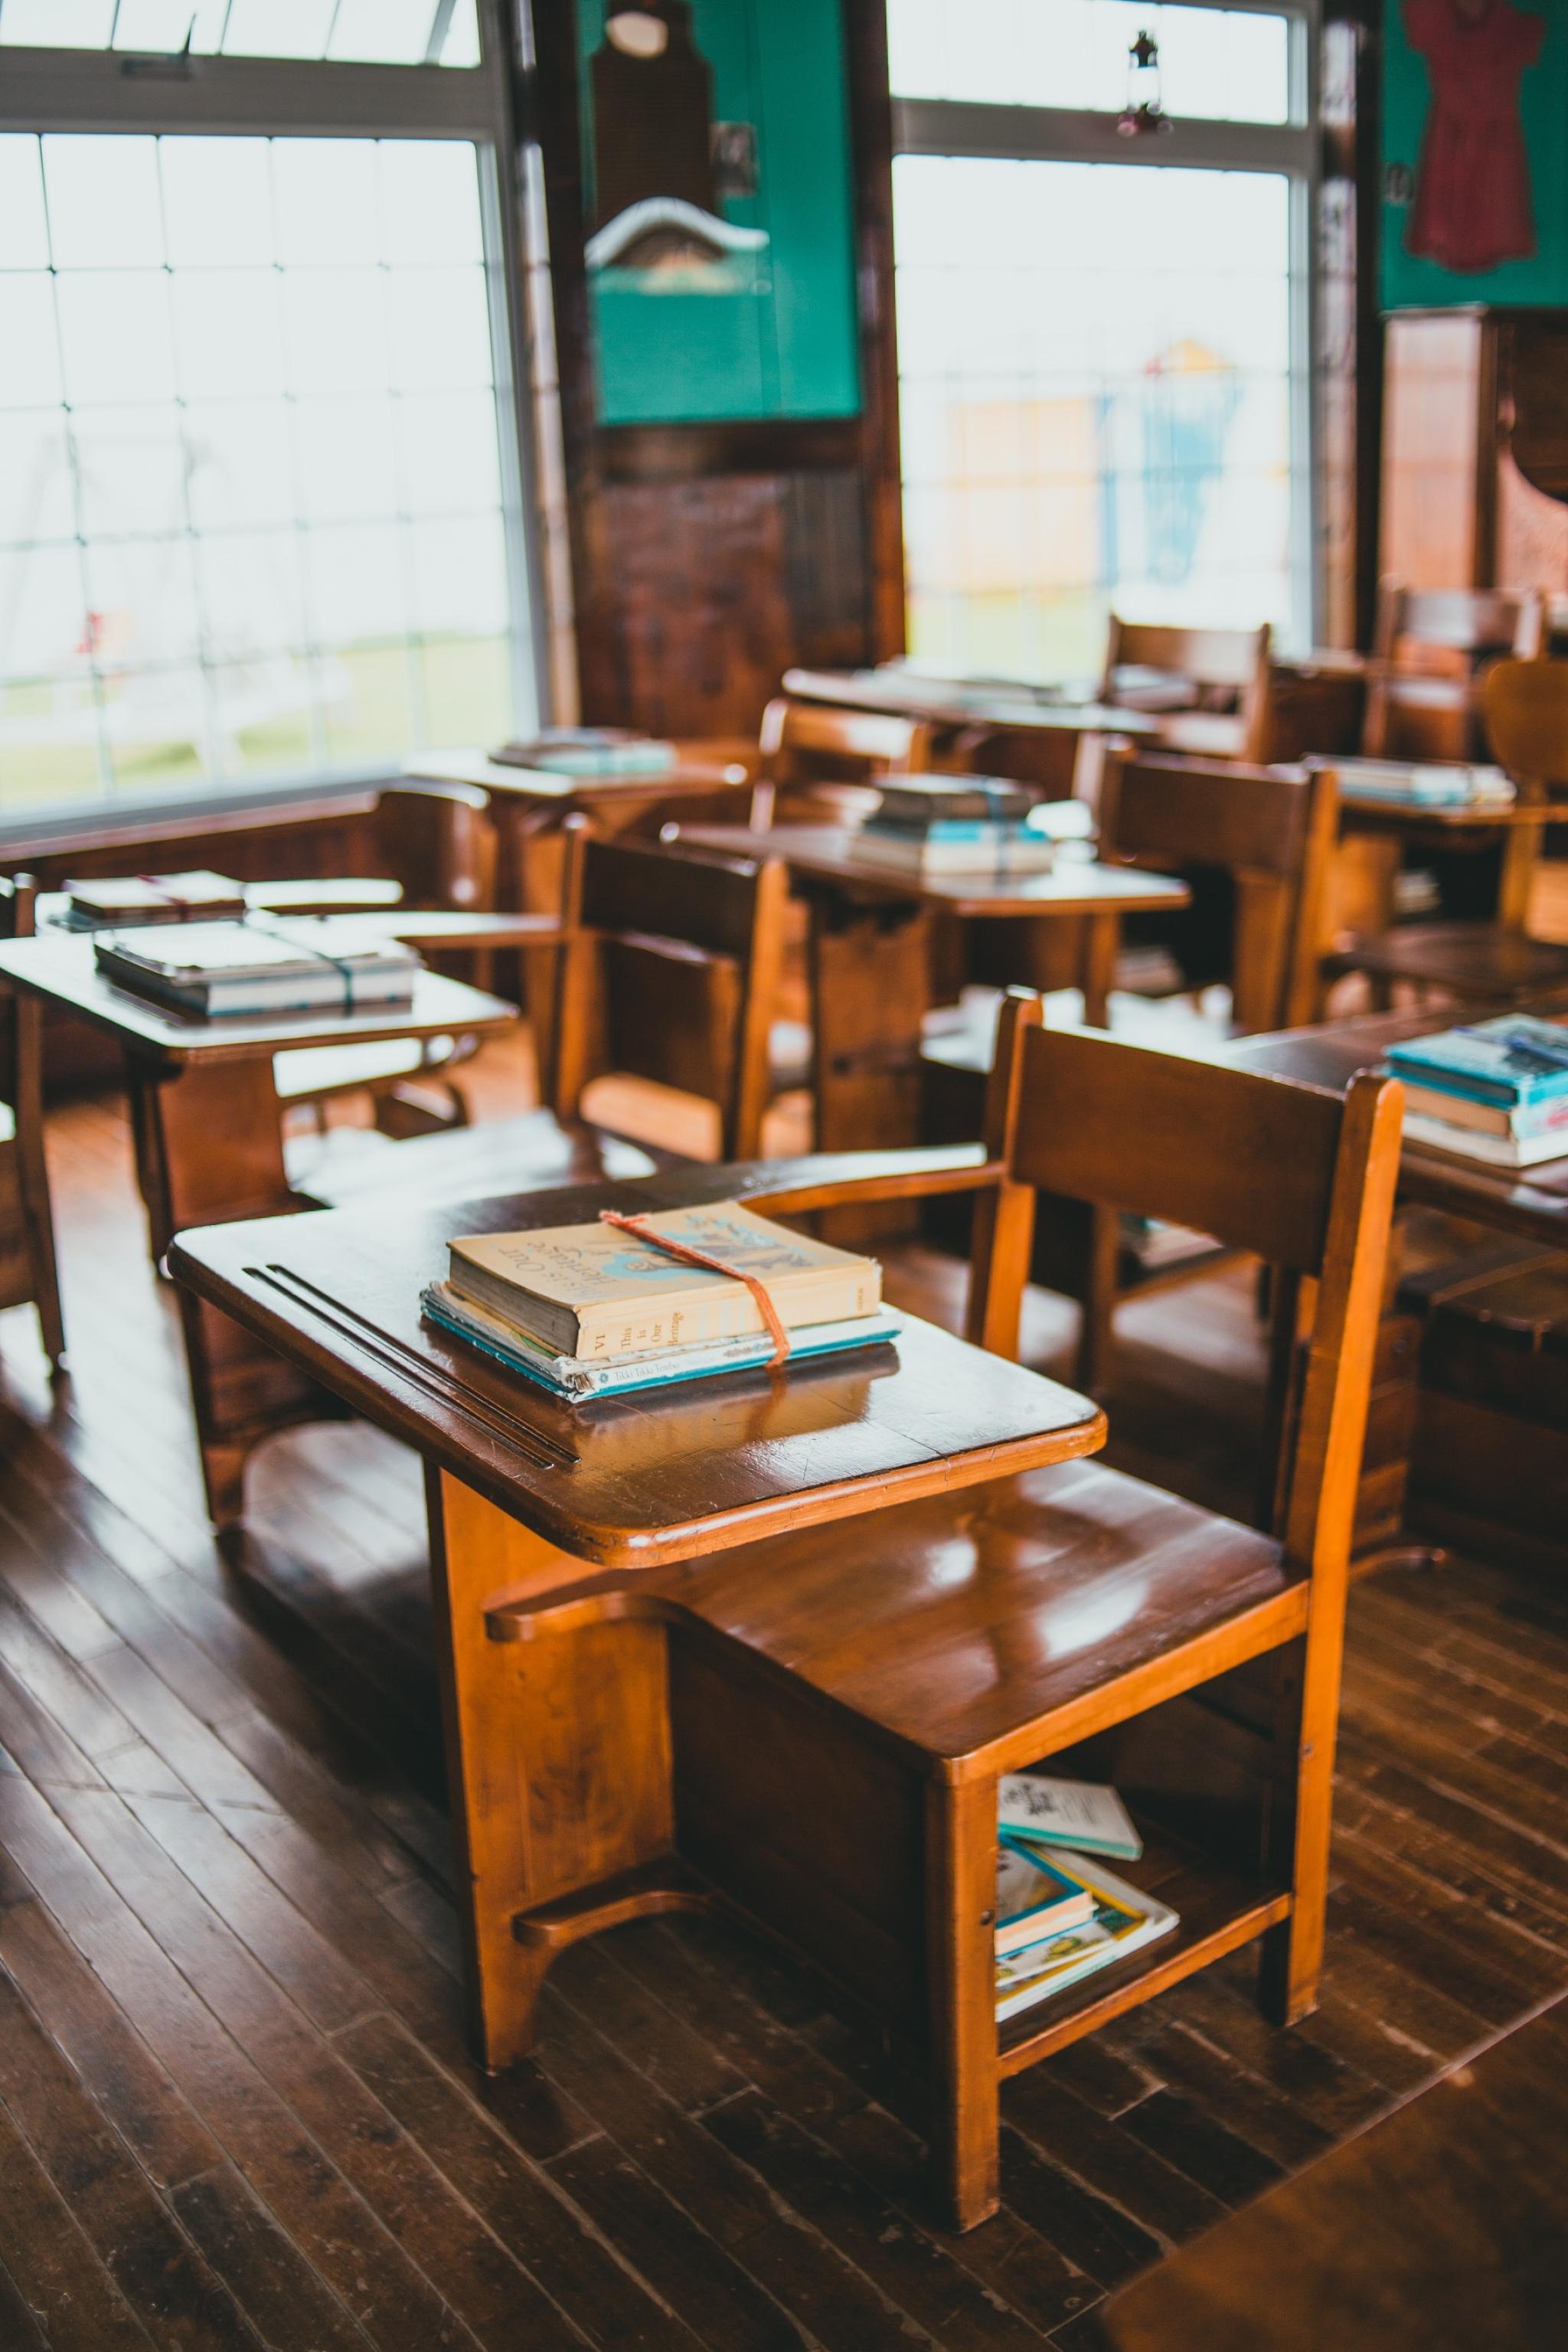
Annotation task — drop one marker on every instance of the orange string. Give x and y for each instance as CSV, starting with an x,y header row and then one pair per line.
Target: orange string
x,y
644,1231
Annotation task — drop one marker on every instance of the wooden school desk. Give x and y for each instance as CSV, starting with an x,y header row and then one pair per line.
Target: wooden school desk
x,y
209,1145
559,1749
1374,834
1439,2228
1532,1204
870,952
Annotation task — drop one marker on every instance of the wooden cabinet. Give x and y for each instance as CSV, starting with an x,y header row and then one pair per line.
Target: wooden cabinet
x,y
1475,453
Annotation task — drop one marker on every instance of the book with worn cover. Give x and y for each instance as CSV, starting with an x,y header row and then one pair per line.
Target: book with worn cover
x,y
129,899
1077,1814
262,966
576,1382
1124,1920
597,1293
1034,1899
1522,1125
914,802
1008,849
1440,1134
1512,1060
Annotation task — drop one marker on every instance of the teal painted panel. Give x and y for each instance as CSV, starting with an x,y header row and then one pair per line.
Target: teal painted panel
x,y
1475,163
762,333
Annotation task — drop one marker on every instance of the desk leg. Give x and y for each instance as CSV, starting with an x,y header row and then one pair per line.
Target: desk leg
x,y
960,1974
1520,856
558,1755
1102,937
210,1149
871,992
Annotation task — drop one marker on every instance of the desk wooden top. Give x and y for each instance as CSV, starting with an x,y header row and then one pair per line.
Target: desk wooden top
x,y
1440,2227
641,1480
963,702
1483,816
1073,886
1533,1203
60,970
697,767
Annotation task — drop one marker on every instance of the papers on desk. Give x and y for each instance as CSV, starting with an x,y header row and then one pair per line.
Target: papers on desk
x,y
262,965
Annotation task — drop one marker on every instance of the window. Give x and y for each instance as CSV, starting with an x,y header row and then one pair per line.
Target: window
x,y
259,521
1101,340
359,32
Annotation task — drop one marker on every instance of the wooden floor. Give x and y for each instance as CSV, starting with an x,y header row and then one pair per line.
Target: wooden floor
x,y
235,2107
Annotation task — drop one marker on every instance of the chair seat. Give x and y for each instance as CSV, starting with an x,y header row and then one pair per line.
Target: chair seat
x,y
958,1622
1472,958
534,1152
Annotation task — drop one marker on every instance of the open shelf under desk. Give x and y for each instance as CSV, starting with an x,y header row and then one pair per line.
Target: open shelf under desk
x,y
1219,1909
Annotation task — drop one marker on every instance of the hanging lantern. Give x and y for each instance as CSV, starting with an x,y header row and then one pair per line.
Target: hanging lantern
x,y
1142,117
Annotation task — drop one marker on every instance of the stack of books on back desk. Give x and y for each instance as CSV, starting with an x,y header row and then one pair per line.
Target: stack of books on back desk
x,y
1450,784
966,824
309,965
1061,1914
589,752
594,1311
128,901
1495,1092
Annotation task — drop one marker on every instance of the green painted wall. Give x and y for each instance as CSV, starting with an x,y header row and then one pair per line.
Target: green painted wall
x,y
1413,281
780,341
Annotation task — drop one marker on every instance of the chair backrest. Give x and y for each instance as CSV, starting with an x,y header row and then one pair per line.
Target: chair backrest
x,y
440,842
1302,1177
669,971
1271,829
1225,668
1429,648
18,905
1525,705
820,761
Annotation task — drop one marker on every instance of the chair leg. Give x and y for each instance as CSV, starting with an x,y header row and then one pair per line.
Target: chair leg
x,y
1096,1335
960,1943
1305,1716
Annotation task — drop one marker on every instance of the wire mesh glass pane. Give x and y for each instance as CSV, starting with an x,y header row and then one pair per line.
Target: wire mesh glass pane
x,y
1095,404
57,24
1215,64
364,32
248,482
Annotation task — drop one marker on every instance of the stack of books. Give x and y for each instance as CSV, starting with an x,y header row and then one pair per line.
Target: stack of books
x,y
1495,1092
1453,784
965,824
592,1311
1061,1914
127,901
589,752
310,965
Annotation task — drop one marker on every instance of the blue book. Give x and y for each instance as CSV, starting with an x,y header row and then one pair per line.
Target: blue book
x,y
1510,1061
1034,1898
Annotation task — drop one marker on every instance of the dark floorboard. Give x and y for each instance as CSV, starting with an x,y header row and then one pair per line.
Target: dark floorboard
x,y
237,2106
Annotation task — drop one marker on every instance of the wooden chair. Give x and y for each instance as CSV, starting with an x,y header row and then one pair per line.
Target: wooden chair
x,y
1264,839
1524,705
1212,689
842,1699
439,842
819,762
668,972
27,1270
1430,648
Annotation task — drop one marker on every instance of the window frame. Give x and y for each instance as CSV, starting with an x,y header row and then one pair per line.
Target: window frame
x,y
998,131
93,91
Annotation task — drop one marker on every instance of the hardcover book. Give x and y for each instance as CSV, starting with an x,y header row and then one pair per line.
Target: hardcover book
x,y
1511,1060
595,1292
134,898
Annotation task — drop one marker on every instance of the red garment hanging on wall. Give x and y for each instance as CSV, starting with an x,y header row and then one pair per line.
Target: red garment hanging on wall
x,y
1472,207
